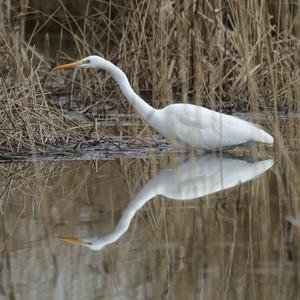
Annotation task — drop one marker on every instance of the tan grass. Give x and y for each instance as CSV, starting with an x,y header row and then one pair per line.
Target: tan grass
x,y
233,56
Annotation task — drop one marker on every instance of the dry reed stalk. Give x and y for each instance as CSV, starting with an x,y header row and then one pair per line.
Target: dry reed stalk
x,y
29,123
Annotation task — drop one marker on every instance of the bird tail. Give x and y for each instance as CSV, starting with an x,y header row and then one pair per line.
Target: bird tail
x,y
264,137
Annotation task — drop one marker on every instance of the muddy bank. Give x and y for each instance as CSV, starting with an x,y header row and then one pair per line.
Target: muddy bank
x,y
105,150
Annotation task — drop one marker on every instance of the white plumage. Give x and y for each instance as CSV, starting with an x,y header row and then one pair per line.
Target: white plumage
x,y
187,180
186,125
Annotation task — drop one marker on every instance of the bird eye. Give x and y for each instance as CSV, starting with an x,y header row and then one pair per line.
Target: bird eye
x,y
87,61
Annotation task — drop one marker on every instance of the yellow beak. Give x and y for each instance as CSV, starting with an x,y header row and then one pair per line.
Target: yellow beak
x,y
69,66
71,240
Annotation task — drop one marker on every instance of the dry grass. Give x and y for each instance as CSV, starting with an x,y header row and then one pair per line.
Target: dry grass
x,y
229,56
29,122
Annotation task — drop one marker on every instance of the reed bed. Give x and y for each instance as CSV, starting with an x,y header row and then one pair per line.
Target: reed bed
x,y
30,124
230,56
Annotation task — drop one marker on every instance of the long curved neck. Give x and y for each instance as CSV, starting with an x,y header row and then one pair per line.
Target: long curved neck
x,y
150,190
143,108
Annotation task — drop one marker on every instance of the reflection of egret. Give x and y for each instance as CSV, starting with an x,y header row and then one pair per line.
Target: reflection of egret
x,y
185,124
196,177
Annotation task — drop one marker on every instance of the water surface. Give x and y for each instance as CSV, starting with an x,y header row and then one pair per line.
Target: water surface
x,y
167,226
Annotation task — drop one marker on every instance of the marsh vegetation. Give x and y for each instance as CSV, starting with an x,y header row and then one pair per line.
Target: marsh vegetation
x,y
229,56
237,57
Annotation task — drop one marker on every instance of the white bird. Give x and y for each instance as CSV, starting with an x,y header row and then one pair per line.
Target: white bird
x,y
185,125
187,180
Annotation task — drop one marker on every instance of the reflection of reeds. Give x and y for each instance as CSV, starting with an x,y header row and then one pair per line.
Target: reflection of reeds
x,y
235,242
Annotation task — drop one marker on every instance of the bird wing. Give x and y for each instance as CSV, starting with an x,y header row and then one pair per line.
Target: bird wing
x,y
203,118
213,127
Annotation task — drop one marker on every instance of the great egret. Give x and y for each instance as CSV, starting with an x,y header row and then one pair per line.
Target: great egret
x,y
186,125
190,179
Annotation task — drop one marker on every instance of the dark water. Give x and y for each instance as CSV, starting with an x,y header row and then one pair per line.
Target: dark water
x,y
162,226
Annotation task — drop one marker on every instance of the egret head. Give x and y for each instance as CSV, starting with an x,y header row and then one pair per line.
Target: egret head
x,y
92,243
89,62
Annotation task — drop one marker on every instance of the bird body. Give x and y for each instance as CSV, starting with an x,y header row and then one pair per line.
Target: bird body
x,y
202,128
186,125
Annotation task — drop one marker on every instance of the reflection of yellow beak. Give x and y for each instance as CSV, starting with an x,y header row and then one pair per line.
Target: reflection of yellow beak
x,y
69,66
71,240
